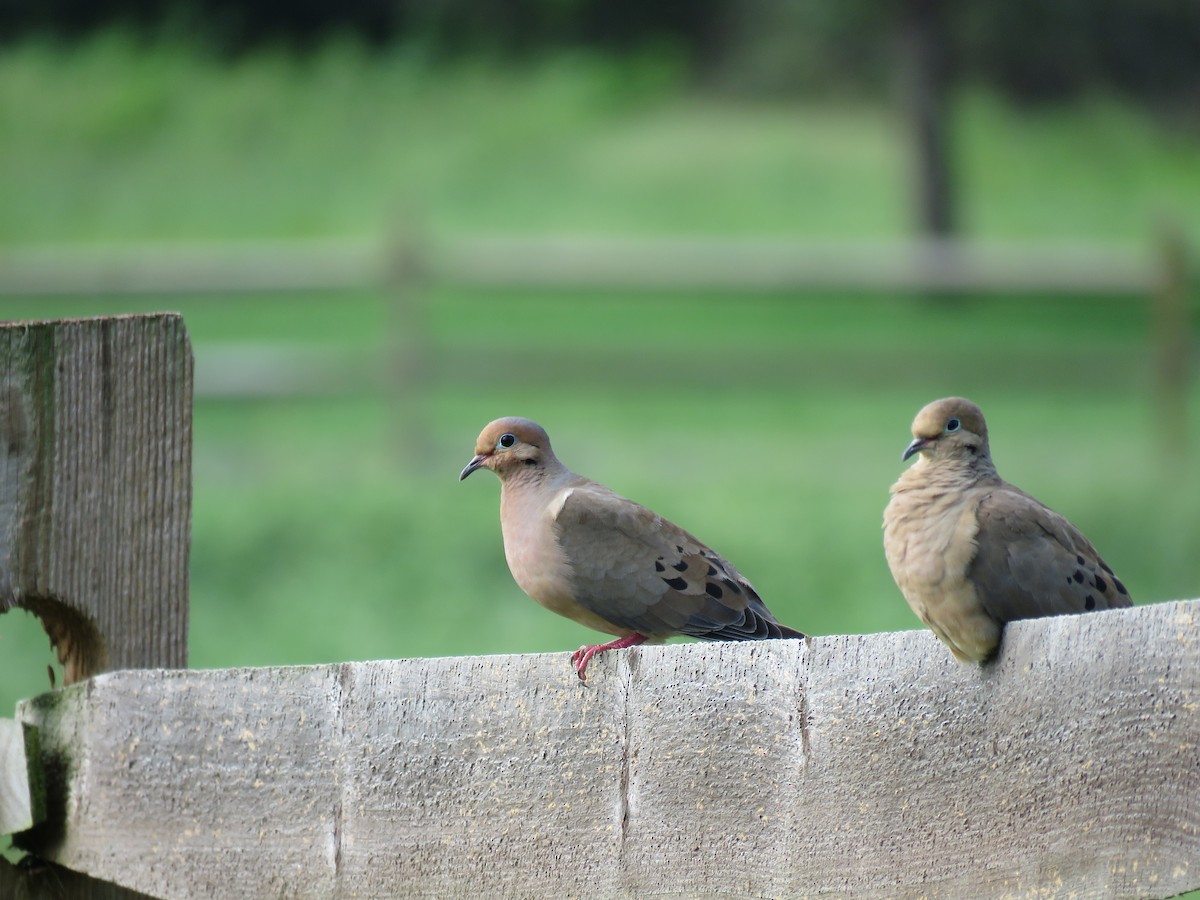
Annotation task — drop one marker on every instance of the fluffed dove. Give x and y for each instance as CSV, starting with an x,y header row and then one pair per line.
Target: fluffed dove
x,y
587,553
971,552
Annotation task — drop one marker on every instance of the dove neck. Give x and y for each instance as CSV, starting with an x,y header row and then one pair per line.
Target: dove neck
x,y
954,470
548,473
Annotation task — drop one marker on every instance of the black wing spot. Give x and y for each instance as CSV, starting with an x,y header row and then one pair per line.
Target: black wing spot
x,y
712,570
732,585
680,566
1120,587
713,591
1105,567
658,567
1078,576
1101,584
680,549
1089,602
676,584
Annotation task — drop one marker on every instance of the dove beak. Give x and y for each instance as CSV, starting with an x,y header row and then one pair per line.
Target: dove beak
x,y
916,446
474,464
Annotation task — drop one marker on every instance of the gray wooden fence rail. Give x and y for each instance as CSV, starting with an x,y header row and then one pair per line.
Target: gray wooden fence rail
x,y
864,765
573,262
851,766
1158,275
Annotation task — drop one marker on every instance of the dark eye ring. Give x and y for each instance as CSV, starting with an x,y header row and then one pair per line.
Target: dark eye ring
x,y
953,425
507,440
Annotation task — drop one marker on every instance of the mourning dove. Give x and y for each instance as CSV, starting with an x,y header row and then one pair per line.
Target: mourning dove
x,y
587,553
971,552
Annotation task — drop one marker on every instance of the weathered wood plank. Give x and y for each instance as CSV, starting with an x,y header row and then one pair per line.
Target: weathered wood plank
x,y
19,786
95,486
863,766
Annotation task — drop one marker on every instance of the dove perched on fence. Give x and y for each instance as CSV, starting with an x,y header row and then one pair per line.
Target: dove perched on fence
x,y
589,554
970,551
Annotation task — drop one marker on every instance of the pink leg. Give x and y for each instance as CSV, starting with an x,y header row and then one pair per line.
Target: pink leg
x,y
581,657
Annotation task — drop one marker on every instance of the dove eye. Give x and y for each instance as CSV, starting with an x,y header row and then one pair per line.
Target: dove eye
x,y
953,425
506,441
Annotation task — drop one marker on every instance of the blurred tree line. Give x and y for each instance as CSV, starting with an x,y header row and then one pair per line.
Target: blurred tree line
x,y
1031,49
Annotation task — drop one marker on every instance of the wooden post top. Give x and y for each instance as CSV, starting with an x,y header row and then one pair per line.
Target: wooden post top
x,y
95,486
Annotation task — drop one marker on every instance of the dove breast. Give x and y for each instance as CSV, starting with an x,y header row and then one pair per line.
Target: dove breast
x,y
536,557
930,536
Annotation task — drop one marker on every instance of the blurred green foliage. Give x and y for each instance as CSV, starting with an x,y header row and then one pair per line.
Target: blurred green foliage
x,y
111,141
335,528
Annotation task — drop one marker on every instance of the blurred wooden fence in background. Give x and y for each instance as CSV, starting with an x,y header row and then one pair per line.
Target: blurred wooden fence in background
x,y
1157,275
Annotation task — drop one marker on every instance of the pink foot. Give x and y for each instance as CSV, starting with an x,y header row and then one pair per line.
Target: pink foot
x,y
581,657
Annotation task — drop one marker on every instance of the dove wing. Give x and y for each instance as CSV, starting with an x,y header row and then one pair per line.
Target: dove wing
x,y
1032,562
632,567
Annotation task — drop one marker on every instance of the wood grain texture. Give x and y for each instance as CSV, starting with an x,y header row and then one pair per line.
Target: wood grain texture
x,y
868,765
95,486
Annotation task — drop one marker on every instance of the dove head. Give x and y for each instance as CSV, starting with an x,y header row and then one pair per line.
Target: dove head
x,y
511,445
952,428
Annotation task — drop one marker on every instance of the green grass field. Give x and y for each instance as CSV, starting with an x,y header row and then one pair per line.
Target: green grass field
x,y
335,528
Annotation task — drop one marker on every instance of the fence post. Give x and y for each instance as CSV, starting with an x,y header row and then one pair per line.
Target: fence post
x,y
1172,339
95,515
95,487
